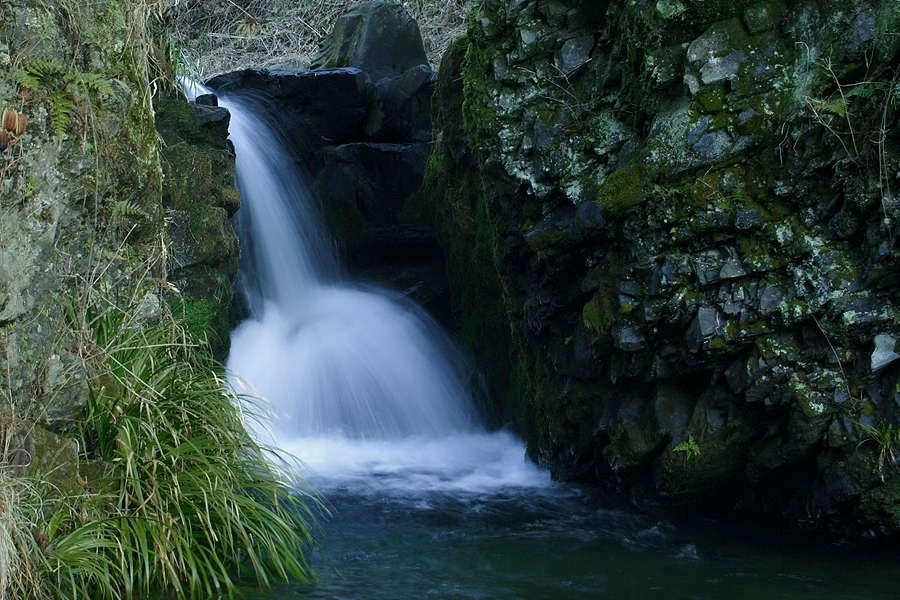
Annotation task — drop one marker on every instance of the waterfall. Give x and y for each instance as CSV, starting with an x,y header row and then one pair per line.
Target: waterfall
x,y
363,383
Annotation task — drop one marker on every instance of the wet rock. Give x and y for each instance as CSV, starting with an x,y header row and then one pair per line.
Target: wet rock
x,y
314,107
732,242
375,178
207,100
713,146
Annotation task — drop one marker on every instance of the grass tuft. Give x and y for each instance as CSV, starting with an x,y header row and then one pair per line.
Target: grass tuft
x,y
181,499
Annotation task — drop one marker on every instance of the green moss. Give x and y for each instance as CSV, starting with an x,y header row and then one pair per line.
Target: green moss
x,y
599,314
478,113
622,190
712,99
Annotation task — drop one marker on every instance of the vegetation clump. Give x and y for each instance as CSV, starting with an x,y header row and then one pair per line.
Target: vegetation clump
x,y
169,494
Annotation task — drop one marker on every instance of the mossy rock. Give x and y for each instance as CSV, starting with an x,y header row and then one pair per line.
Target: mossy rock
x,y
624,189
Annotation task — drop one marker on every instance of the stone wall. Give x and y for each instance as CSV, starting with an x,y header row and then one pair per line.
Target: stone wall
x,y
670,228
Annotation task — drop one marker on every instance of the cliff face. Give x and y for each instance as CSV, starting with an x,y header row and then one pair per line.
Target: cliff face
x,y
671,230
81,192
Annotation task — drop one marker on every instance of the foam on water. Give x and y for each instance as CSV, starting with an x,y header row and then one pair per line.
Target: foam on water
x,y
366,389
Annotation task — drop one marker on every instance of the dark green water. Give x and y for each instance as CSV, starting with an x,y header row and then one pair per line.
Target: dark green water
x,y
553,544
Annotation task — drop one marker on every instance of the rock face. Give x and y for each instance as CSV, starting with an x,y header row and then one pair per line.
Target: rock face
x,y
80,212
199,198
360,126
82,219
671,231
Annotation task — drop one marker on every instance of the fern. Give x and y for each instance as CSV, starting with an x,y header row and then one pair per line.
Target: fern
x,y
92,83
123,211
61,107
41,73
838,106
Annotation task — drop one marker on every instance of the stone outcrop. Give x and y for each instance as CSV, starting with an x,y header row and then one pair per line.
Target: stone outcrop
x,y
85,194
671,233
199,198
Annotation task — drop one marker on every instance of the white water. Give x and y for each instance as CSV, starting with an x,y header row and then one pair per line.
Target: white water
x,y
367,390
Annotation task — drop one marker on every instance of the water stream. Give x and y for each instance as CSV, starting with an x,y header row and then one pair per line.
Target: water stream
x,y
374,399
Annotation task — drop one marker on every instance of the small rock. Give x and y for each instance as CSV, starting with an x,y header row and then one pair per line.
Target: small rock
x,y
722,69
699,128
575,53
747,218
708,321
207,100
149,310
692,83
712,42
769,299
414,78
529,37
863,28
630,339
884,353
670,9
713,146
732,269
707,266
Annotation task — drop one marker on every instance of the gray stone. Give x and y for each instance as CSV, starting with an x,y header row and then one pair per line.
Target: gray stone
x,y
713,146
149,309
722,68
746,115
747,218
707,266
670,9
713,41
863,28
708,320
528,36
884,353
630,339
692,83
732,269
699,128
769,299
574,53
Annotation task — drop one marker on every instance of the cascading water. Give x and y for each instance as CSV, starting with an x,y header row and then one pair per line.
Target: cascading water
x,y
363,383
370,395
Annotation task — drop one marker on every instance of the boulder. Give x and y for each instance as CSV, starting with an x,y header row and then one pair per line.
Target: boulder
x,y
379,37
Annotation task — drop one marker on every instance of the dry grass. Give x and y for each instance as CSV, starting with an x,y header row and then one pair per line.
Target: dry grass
x,y
214,36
